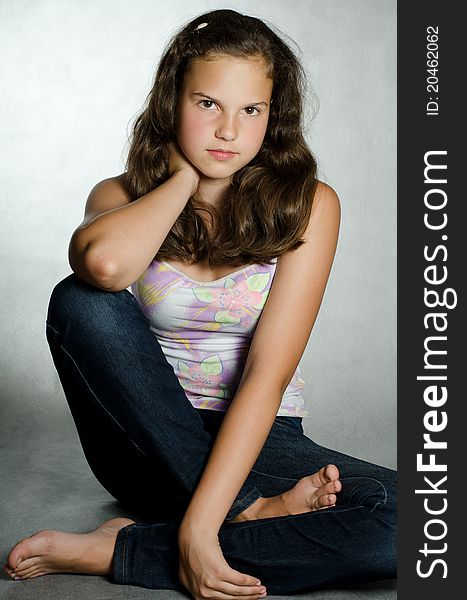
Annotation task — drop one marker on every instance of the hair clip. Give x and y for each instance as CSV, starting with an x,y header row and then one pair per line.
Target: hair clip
x,y
200,26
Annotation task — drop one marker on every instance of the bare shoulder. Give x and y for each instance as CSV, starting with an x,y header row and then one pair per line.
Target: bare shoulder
x,y
320,237
105,195
326,208
325,193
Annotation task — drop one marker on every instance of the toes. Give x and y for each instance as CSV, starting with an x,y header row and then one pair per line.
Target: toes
x,y
326,494
37,574
22,572
325,475
8,570
28,573
16,555
326,501
330,488
330,473
15,560
24,565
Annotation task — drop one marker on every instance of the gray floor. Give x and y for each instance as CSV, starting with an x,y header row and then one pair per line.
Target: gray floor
x,y
47,484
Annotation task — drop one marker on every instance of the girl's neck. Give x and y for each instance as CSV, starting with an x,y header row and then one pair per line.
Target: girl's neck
x,y
211,190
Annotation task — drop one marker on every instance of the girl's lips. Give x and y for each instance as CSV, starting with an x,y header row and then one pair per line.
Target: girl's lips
x,y
221,154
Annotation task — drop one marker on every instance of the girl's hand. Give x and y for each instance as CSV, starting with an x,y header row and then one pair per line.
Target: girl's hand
x,y
179,163
205,573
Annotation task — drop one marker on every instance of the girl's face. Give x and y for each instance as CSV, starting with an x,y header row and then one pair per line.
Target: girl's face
x,y
223,113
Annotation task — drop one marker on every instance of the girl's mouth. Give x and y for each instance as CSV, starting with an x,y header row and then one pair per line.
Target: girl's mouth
x,y
222,154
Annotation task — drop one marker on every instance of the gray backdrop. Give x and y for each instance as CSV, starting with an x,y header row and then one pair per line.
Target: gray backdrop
x,y
75,74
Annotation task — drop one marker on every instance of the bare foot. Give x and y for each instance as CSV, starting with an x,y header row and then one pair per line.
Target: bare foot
x,y
311,493
61,552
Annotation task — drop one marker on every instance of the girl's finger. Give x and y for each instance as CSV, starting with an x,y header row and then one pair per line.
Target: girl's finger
x,y
216,595
237,578
239,591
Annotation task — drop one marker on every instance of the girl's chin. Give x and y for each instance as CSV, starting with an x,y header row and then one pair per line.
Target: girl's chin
x,y
209,178
216,173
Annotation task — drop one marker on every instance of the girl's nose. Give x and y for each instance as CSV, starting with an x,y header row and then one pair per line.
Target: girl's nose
x,y
227,129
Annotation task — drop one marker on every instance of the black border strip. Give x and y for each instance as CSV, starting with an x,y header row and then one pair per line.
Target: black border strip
x,y
431,271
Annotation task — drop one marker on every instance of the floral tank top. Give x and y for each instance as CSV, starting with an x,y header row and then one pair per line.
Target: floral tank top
x,y
205,330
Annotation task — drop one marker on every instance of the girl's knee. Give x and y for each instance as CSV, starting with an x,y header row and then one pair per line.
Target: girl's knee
x,y
76,301
67,292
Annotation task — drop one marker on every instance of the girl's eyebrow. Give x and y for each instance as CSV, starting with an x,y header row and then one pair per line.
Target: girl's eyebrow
x,y
203,95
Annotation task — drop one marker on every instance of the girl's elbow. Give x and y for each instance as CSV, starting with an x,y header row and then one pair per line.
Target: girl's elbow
x,y
105,272
94,266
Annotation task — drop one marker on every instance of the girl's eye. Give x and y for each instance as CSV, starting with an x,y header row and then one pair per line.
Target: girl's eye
x,y
207,104
252,110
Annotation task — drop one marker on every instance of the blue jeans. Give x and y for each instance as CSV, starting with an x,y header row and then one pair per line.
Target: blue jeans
x,y
147,445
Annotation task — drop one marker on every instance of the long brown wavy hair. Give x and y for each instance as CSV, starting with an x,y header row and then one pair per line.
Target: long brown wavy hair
x,y
265,209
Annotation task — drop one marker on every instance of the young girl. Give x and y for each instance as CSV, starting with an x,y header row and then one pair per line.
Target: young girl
x,y
187,394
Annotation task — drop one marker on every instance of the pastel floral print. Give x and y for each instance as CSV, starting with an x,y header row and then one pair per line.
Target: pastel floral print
x,y
203,377
205,330
236,301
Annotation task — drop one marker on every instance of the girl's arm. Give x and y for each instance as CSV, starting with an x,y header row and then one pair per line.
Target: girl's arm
x,y
278,344
118,239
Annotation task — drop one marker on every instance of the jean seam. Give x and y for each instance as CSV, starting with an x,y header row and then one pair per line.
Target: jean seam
x,y
243,500
125,540
53,328
97,399
274,476
379,503
266,521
